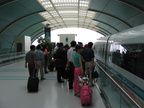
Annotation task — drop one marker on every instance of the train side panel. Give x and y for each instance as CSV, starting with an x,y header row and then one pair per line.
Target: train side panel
x,y
122,56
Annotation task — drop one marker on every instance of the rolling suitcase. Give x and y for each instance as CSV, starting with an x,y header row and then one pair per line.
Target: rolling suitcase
x,y
66,73
86,95
33,84
51,66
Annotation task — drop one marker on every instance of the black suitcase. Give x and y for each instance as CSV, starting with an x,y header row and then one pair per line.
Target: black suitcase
x,y
33,84
51,66
66,73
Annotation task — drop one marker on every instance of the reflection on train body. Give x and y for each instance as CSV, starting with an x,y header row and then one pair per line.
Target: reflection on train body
x,y
122,56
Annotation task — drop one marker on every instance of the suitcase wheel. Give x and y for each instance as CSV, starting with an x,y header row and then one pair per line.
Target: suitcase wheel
x,y
86,104
83,104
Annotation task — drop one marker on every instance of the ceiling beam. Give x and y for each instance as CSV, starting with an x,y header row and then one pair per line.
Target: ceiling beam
x,y
30,27
37,31
7,2
36,36
106,24
132,5
19,20
104,30
111,16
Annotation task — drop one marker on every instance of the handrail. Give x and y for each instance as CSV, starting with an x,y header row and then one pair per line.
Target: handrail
x,y
7,58
12,53
118,85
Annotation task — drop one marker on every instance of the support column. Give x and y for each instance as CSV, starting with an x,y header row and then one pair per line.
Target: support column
x,y
48,33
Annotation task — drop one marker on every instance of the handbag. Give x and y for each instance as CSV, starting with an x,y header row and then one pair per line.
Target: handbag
x,y
95,74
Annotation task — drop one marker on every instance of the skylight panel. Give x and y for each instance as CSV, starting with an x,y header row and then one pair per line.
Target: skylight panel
x,y
56,24
61,23
94,22
66,5
70,18
46,4
84,13
55,1
65,1
91,14
54,13
46,22
45,15
69,11
53,21
82,1
81,18
84,5
88,20
40,0
59,20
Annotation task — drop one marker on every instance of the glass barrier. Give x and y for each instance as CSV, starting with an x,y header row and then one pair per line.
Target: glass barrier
x,y
113,94
11,58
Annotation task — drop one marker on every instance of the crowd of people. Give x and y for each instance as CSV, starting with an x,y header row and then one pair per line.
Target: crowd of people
x,y
78,59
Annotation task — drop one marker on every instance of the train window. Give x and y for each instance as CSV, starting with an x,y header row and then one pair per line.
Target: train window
x,y
130,57
109,55
99,50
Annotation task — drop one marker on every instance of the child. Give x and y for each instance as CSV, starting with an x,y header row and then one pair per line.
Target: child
x,y
78,71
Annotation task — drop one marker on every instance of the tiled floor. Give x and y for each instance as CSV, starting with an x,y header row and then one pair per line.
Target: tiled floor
x,y
13,91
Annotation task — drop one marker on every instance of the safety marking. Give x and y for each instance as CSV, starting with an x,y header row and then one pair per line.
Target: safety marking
x,y
24,78
13,70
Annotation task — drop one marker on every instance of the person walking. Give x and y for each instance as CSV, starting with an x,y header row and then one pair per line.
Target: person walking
x,y
78,70
88,57
30,61
70,65
39,61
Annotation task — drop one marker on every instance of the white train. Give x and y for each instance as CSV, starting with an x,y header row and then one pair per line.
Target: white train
x,y
122,56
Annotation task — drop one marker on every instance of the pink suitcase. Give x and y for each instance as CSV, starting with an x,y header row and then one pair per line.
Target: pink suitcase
x,y
86,95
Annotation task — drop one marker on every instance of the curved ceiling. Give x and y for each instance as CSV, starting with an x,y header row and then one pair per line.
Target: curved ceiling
x,y
29,17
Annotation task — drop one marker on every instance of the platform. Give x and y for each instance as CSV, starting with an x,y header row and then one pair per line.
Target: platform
x,y
14,94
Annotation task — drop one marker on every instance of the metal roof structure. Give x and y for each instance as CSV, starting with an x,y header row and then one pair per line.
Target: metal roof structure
x,y
30,17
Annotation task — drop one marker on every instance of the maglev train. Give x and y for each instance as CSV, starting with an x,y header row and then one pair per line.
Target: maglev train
x,y
122,56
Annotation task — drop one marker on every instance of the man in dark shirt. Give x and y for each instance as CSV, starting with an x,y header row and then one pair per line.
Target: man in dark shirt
x,y
60,64
88,57
30,60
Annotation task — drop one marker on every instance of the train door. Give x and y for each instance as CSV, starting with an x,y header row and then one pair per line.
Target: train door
x,y
108,54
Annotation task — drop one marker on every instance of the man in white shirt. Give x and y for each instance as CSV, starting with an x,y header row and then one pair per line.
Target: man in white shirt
x,y
70,54
56,47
